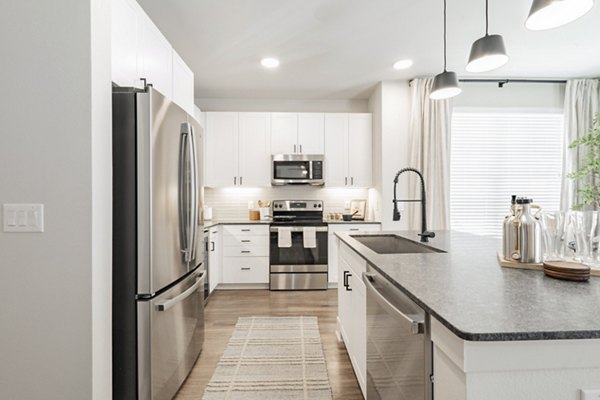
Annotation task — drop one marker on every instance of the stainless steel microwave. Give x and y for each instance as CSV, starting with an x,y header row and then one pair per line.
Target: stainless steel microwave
x,y
297,169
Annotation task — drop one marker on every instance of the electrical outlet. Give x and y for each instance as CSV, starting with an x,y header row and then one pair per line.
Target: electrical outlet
x,y
590,394
347,204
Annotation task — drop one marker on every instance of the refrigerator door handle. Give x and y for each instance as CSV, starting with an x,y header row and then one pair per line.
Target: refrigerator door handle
x,y
183,229
193,192
167,305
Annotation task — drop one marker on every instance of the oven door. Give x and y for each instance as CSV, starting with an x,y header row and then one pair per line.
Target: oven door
x,y
297,254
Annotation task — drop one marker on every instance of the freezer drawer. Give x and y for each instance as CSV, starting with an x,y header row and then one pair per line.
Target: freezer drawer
x,y
170,337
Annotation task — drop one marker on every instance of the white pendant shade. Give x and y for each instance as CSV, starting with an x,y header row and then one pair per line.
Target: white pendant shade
x,y
445,85
487,54
548,14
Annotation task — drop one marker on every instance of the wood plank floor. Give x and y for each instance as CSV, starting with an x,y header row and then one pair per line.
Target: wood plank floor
x,y
223,310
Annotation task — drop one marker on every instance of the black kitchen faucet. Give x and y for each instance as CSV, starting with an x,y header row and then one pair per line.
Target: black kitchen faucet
x,y
425,235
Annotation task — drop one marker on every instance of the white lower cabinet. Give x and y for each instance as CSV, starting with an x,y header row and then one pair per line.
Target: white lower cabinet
x,y
332,250
245,269
245,254
352,310
214,257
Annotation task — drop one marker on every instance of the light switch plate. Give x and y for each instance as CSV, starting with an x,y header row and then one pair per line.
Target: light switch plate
x,y
23,217
590,394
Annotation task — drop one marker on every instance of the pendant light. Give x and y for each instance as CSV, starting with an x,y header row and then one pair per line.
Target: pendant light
x,y
445,84
548,14
488,52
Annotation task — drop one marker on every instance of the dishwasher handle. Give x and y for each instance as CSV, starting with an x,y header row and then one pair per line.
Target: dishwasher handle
x,y
416,327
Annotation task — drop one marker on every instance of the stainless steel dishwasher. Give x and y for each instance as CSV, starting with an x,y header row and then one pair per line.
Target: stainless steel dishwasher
x,y
399,352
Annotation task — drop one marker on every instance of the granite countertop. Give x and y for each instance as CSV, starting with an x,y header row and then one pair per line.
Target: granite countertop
x,y
366,221
467,291
214,222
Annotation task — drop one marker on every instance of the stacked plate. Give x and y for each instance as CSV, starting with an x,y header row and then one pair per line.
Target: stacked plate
x,y
568,271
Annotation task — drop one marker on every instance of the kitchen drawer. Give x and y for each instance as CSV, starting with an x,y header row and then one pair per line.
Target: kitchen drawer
x,y
261,241
354,261
246,270
246,230
354,228
246,250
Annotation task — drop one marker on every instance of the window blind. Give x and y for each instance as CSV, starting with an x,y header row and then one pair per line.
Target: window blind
x,y
495,154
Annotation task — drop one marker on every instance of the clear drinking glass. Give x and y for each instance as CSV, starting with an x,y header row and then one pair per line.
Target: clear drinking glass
x,y
553,229
594,257
584,232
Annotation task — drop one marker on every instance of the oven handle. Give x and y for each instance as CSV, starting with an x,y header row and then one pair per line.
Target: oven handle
x,y
299,228
416,327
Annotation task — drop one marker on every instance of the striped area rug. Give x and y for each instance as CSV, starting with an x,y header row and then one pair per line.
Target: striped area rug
x,y
272,358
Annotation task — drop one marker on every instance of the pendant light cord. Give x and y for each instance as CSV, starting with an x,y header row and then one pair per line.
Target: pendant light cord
x,y
444,35
486,18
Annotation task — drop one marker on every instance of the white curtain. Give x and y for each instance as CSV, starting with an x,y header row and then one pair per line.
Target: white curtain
x,y
430,123
582,102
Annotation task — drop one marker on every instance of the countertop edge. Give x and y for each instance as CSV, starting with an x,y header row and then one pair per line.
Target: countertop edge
x,y
209,224
469,336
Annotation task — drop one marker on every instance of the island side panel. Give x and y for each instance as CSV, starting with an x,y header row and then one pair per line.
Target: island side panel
x,y
516,370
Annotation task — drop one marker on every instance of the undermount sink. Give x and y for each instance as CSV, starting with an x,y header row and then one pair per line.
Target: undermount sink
x,y
393,244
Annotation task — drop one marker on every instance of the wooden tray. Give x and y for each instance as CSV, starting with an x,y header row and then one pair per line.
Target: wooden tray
x,y
533,266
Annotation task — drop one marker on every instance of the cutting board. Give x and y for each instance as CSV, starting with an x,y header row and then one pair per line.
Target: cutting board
x,y
532,266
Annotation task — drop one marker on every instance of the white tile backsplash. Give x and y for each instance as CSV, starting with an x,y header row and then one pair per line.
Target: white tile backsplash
x,y
232,203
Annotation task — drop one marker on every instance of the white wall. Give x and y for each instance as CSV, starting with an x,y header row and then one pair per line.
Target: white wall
x,y
55,149
281,105
514,95
390,105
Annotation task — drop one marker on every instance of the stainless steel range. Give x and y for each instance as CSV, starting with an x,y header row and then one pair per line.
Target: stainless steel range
x,y
298,246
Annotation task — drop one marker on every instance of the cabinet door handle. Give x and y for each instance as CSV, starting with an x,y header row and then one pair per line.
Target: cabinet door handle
x,y
245,230
346,181
347,275
235,180
351,181
246,241
241,180
294,149
245,251
300,149
245,268
354,229
213,246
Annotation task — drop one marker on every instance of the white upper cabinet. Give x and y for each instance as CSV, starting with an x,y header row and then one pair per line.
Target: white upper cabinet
x,y
284,133
124,44
336,154
139,50
254,149
311,133
348,147
183,84
360,158
155,55
237,150
222,131
297,133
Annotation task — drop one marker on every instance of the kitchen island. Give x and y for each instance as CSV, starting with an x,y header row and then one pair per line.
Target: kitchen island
x,y
497,333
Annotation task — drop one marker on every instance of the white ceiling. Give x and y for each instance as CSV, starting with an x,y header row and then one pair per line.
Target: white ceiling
x,y
339,49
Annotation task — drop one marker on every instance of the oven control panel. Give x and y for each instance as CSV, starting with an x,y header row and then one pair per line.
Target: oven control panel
x,y
297,205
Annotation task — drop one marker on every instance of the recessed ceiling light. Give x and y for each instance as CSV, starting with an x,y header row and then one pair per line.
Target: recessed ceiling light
x,y
403,64
270,62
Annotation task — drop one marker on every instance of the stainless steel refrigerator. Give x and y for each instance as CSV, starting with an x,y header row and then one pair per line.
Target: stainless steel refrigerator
x,y
158,244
